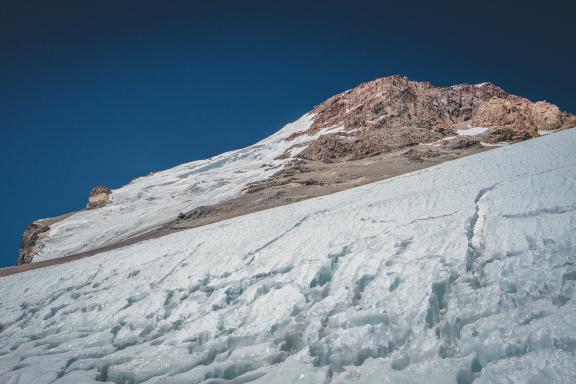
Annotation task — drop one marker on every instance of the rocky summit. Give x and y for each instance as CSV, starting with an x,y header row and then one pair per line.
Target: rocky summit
x,y
395,112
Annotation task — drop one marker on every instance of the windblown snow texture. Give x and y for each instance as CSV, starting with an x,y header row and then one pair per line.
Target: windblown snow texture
x,y
461,272
148,202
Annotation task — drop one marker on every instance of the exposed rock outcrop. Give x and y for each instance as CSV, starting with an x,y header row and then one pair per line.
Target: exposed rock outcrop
x,y
420,155
462,142
33,232
99,197
198,213
394,112
338,147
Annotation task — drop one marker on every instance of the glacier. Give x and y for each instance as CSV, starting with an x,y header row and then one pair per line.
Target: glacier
x,y
463,272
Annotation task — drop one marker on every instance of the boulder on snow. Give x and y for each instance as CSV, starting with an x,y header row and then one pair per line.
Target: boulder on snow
x,y
99,197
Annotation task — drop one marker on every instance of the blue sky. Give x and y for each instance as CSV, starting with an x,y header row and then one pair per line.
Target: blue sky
x,y
102,92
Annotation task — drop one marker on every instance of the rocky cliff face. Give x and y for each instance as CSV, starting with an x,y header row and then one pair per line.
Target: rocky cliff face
x,y
29,244
31,234
394,112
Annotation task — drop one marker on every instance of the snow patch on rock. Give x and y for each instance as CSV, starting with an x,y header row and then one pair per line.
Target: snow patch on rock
x,y
472,131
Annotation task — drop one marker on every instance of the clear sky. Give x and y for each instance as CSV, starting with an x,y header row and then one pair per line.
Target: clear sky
x,y
99,92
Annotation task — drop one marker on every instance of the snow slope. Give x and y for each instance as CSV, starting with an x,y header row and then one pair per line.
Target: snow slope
x,y
150,201
461,272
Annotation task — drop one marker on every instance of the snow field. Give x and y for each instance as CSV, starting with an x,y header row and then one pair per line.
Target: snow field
x,y
148,202
457,273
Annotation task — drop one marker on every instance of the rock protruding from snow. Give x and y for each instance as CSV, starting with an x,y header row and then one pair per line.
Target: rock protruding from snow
x,y
392,112
30,243
339,147
396,102
33,232
99,197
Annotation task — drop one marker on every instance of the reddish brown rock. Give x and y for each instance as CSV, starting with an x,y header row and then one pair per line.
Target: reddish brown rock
x,y
394,112
396,102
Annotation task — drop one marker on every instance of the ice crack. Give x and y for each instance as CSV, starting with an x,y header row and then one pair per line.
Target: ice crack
x,y
474,228
544,211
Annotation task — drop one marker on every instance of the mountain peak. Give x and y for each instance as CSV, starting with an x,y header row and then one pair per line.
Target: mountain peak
x,y
397,103
378,129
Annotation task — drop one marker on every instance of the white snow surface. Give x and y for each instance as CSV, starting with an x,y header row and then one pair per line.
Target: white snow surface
x,y
148,202
472,131
462,272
